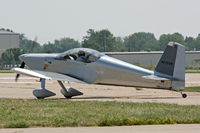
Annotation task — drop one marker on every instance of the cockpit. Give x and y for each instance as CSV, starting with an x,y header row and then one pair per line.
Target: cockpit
x,y
85,55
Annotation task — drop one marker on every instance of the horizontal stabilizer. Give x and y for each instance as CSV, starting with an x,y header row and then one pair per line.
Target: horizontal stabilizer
x,y
154,77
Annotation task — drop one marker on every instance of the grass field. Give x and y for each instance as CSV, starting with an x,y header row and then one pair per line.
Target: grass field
x,y
192,89
6,71
192,71
18,113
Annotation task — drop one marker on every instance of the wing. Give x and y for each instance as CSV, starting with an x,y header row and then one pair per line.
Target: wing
x,y
46,75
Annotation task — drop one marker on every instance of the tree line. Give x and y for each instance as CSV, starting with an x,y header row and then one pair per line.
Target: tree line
x,y
103,41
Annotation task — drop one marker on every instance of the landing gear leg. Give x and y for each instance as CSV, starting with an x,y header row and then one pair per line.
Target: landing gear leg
x,y
69,92
42,92
183,95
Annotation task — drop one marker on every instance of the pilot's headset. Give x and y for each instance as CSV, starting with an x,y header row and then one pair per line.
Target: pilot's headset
x,y
81,53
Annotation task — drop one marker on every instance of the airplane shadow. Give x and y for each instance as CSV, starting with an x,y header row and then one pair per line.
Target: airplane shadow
x,y
119,97
161,98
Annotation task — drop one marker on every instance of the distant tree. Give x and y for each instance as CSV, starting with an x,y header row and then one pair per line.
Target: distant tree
x,y
48,48
60,45
166,38
3,29
102,40
26,45
189,43
151,45
141,41
120,47
10,56
90,41
193,43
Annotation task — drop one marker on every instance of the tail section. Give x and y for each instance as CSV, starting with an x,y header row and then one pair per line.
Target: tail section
x,y
172,64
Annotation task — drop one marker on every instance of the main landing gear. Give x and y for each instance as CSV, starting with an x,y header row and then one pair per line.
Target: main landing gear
x,y
67,92
42,92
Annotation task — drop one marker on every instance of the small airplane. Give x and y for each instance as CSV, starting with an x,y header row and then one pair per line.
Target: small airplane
x,y
84,65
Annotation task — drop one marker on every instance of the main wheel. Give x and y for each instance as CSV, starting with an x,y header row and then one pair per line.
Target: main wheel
x,y
184,95
40,97
68,97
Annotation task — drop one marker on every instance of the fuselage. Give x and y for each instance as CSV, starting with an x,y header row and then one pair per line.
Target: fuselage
x,y
104,70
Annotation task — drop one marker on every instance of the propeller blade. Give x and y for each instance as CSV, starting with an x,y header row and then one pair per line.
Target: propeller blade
x,y
16,78
21,66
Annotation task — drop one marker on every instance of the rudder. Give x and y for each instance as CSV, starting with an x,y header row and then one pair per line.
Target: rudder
x,y
172,63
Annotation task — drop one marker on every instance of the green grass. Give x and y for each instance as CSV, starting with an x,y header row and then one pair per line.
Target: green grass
x,y
192,89
18,113
6,71
138,89
192,71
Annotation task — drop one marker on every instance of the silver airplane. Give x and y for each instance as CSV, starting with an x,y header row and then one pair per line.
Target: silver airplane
x,y
84,65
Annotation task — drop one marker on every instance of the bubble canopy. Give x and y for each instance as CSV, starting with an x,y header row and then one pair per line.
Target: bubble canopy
x,y
89,55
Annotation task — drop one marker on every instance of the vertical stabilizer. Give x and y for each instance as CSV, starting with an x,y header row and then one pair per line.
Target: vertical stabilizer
x,y
172,63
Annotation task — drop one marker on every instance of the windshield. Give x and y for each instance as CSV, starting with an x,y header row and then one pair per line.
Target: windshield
x,y
85,55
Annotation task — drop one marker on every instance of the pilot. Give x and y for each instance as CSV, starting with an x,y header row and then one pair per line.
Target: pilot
x,y
81,56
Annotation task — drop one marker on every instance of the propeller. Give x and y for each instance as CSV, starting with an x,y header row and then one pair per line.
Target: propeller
x,y
21,66
23,63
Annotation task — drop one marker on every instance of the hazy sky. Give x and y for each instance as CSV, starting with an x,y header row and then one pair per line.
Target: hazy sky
x,y
54,19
